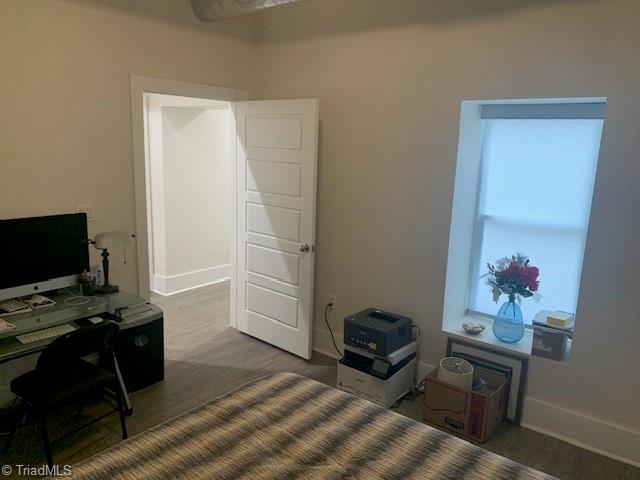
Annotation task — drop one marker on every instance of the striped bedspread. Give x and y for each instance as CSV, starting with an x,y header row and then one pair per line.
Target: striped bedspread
x,y
285,426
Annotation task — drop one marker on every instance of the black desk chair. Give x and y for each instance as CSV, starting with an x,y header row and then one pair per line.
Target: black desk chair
x,y
62,376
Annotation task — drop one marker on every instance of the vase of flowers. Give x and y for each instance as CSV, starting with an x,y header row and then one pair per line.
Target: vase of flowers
x,y
517,279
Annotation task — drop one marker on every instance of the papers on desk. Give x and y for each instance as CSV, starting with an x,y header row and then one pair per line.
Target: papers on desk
x,y
39,301
4,326
13,306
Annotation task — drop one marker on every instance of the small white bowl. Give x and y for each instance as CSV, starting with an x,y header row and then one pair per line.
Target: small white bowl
x,y
473,328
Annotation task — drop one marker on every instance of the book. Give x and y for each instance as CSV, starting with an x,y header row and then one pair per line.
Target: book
x,y
560,319
555,319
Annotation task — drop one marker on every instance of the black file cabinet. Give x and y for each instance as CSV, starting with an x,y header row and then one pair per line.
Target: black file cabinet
x,y
140,346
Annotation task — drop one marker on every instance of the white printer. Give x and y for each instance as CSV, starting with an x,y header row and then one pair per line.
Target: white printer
x,y
382,379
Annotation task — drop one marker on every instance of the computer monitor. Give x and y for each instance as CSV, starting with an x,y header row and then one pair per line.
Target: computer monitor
x,y
39,254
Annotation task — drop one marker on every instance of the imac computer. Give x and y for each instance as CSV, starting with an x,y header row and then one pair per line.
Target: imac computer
x,y
39,254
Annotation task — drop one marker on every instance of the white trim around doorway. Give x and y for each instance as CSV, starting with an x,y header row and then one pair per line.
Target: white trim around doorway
x,y
139,86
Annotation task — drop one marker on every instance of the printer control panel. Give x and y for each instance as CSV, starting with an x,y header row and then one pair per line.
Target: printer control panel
x,y
362,342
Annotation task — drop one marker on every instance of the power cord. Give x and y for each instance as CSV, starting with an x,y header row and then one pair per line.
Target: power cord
x,y
410,395
326,320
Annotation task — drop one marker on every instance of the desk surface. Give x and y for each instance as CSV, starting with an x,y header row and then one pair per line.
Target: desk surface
x,y
68,308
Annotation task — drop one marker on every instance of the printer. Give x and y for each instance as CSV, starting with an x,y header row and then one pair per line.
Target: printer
x,y
377,331
380,356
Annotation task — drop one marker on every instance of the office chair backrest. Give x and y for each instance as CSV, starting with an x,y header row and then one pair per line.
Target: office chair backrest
x,y
77,344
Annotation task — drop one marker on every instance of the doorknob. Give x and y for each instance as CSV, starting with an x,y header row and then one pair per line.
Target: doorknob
x,y
305,247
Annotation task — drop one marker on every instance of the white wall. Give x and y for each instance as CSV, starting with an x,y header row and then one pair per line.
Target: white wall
x,y
190,197
390,82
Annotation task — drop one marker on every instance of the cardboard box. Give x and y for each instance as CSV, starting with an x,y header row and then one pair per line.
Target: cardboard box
x,y
550,342
473,415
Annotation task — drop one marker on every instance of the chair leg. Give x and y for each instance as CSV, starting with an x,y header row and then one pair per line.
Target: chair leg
x,y
123,423
45,437
121,411
12,430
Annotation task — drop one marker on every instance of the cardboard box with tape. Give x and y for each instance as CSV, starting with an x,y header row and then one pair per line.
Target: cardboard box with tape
x,y
471,414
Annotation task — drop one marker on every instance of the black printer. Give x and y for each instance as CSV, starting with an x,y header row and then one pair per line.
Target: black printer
x,y
377,331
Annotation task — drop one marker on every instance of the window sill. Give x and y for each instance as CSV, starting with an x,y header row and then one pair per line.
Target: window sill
x,y
453,327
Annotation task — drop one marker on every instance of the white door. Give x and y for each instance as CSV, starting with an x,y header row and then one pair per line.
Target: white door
x,y
276,187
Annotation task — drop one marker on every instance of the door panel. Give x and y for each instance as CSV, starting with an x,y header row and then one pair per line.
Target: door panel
x,y
275,285
276,161
271,177
275,131
272,304
274,221
273,263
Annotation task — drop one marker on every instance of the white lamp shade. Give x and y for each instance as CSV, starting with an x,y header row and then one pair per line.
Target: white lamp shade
x,y
457,372
108,240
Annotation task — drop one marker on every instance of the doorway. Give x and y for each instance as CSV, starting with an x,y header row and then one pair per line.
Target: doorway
x,y
273,167
142,89
190,199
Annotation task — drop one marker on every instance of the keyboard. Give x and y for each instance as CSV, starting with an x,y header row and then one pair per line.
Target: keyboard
x,y
39,335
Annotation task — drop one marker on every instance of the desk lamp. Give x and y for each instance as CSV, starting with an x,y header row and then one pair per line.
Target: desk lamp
x,y
105,241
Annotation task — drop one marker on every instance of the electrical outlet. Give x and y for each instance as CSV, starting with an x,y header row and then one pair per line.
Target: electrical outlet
x,y
87,208
332,299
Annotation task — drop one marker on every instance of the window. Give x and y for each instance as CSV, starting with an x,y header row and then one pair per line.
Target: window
x,y
537,172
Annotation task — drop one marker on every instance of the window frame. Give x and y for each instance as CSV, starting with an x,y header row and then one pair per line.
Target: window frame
x,y
480,219
463,251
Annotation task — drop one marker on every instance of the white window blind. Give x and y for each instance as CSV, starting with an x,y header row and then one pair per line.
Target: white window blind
x,y
537,177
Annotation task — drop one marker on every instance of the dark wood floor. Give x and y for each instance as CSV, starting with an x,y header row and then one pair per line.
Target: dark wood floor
x,y
205,358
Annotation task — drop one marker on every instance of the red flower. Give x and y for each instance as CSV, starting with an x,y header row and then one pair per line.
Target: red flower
x,y
532,278
519,276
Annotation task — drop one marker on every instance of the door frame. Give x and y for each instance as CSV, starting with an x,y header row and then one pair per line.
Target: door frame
x,y
140,85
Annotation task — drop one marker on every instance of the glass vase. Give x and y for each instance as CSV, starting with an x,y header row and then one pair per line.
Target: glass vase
x,y
508,325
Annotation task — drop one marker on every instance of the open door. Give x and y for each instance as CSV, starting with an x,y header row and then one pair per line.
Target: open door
x,y
276,188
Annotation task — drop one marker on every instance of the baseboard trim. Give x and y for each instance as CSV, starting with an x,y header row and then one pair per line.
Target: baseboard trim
x,y
183,282
604,438
598,436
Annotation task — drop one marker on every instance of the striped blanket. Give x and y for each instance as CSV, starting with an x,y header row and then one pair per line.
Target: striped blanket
x,y
285,426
